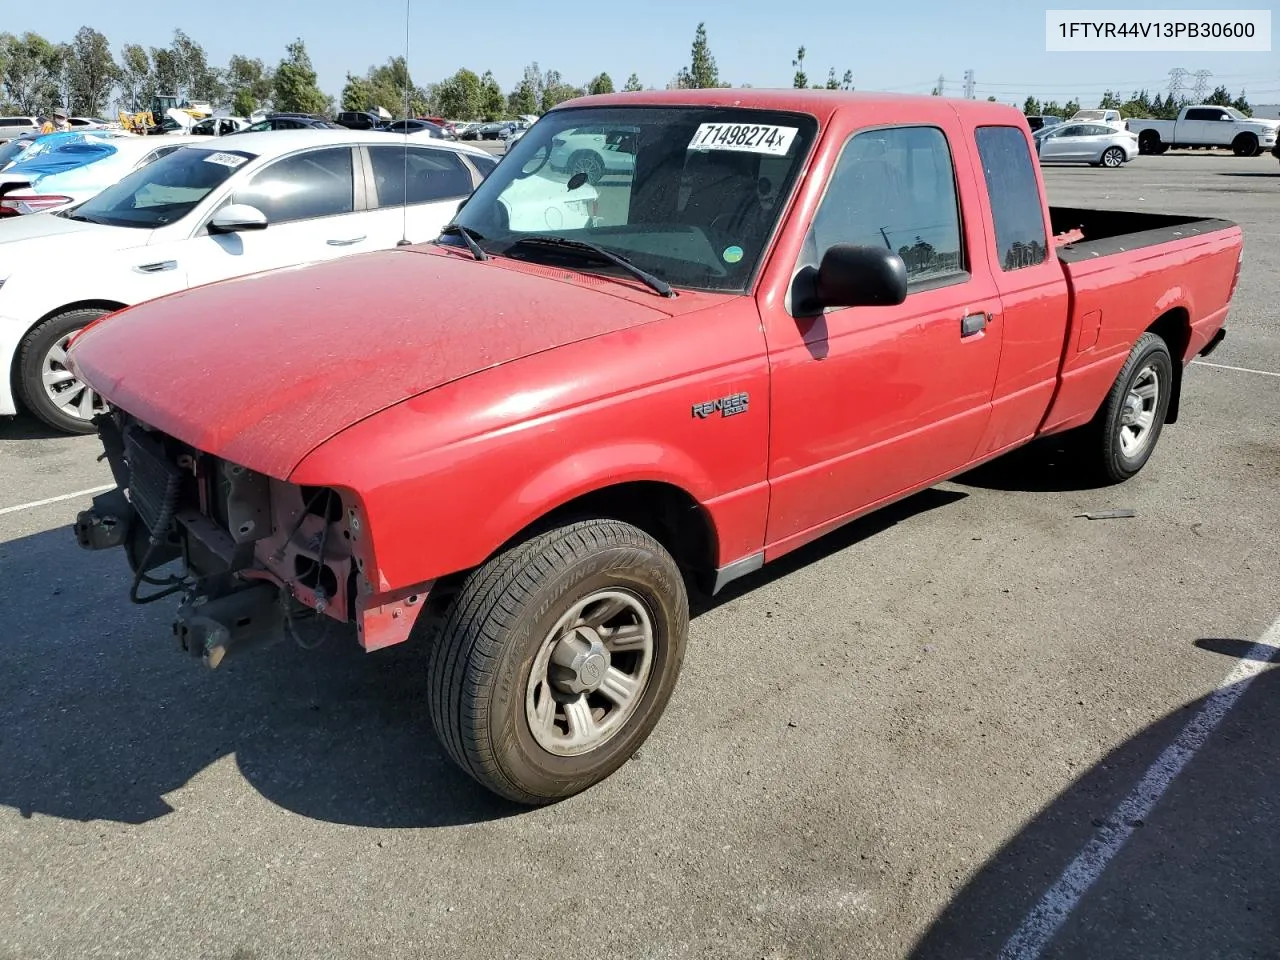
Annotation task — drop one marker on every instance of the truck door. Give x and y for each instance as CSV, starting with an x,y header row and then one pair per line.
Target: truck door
x,y
1202,125
1031,283
871,401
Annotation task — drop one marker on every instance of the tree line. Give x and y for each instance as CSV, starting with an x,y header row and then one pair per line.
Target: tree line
x,y
1140,104
86,77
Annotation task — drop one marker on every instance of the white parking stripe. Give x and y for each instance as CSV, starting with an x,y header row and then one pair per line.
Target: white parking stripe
x,y
1223,366
65,496
1030,939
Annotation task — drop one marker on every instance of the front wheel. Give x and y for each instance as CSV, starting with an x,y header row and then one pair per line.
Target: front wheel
x,y
1245,145
1120,440
1113,157
587,162
46,385
557,658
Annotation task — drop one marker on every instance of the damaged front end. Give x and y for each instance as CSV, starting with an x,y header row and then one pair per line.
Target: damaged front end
x,y
256,559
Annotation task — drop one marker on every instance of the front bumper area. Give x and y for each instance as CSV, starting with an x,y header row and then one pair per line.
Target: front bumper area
x,y
256,559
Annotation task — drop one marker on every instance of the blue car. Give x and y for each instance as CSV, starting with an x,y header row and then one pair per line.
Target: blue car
x,y
60,170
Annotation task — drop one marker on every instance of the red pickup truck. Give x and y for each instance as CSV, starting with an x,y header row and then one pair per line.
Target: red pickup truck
x,y
775,312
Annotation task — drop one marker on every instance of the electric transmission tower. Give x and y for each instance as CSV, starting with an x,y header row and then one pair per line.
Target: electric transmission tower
x,y
968,84
1176,78
1201,89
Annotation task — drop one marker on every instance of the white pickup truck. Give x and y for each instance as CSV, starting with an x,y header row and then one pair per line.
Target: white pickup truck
x,y
1207,126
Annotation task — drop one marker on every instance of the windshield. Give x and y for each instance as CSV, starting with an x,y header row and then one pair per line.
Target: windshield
x,y
1236,113
164,191
690,194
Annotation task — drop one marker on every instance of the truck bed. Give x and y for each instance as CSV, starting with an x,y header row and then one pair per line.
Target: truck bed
x,y
1106,232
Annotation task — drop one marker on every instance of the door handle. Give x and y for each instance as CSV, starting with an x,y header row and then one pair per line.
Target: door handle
x,y
344,243
974,323
159,267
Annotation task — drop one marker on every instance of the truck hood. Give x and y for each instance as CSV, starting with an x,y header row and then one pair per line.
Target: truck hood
x,y
262,369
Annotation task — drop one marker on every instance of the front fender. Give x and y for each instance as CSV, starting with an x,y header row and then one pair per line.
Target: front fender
x,y
447,477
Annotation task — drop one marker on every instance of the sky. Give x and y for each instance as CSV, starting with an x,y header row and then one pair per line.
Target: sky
x,y
902,47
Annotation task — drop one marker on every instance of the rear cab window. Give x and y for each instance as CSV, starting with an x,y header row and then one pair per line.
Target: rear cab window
x,y
1021,236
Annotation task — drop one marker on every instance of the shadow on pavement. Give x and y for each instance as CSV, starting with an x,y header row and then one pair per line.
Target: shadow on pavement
x,y
101,715
839,539
1048,465
24,427
1195,880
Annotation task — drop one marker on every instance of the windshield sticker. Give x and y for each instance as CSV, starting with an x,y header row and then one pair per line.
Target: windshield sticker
x,y
732,254
225,159
744,138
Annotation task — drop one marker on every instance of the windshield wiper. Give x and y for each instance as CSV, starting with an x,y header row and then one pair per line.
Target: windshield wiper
x,y
648,279
469,237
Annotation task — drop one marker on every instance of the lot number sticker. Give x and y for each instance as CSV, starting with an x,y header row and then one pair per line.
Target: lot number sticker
x,y
225,159
744,138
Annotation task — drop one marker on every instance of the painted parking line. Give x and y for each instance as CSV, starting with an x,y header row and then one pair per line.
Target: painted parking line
x,y
1223,366
48,500
1058,902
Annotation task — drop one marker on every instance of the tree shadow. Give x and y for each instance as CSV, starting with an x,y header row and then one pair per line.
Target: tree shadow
x,y
1272,174
1195,879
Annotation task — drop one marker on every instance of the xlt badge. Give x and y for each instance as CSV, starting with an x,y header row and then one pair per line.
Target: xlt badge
x,y
728,406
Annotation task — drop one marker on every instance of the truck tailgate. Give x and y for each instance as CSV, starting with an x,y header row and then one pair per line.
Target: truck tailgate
x,y
1126,271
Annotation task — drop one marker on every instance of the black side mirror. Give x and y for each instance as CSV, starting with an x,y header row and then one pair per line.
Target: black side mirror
x,y
851,275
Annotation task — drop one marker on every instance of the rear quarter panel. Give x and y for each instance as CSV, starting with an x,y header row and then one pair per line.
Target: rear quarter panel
x,y
1115,298
447,477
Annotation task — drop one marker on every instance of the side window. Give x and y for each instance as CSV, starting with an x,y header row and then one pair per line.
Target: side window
x,y
485,165
317,183
1021,237
418,175
1201,115
895,188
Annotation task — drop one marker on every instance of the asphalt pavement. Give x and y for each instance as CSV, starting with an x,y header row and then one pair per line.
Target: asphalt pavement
x,y
921,737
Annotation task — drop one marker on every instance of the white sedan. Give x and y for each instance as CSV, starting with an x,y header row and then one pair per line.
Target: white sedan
x,y
1092,143
208,212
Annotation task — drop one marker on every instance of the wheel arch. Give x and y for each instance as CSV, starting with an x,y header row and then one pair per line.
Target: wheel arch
x,y
665,511
15,361
1174,328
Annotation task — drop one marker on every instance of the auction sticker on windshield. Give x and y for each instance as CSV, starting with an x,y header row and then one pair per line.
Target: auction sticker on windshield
x,y
225,159
744,138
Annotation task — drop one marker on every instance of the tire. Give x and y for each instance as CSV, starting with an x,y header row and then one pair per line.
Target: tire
x,y
1245,145
490,676
1108,455
37,356
1149,142
1113,157
588,162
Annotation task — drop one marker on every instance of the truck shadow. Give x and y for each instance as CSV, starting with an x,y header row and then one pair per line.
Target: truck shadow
x,y
1195,878
103,718
24,427
1047,465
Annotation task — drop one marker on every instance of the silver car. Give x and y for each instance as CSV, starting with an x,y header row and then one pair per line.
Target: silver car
x,y
1092,143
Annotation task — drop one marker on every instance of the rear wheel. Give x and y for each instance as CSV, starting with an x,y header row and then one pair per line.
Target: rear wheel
x,y
1121,438
557,658
1113,157
1149,142
1245,145
46,385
